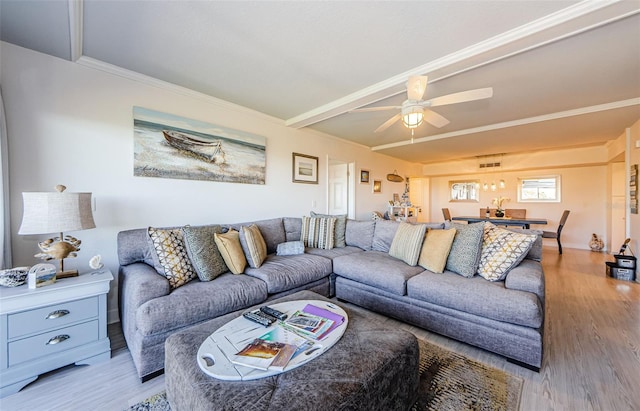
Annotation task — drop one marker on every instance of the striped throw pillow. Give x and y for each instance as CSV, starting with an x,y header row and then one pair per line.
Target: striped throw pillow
x,y
407,242
318,232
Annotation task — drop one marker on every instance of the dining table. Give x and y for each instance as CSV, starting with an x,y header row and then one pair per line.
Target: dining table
x,y
522,222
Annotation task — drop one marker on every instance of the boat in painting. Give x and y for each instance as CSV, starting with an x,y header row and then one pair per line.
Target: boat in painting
x,y
210,151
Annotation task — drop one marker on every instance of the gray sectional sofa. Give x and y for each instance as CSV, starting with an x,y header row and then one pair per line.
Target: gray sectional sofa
x,y
505,317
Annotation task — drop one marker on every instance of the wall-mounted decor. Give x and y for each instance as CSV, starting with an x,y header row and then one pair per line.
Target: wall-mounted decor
x,y
377,186
305,169
633,189
464,191
364,176
171,146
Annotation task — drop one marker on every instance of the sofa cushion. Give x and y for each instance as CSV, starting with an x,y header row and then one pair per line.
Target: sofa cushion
x,y
203,251
318,232
172,258
272,231
253,245
477,296
283,273
229,245
464,256
334,252
377,269
407,242
199,301
501,251
341,227
383,235
292,228
435,250
360,233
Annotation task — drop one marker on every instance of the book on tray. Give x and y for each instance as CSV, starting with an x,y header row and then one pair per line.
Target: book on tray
x,y
264,355
313,322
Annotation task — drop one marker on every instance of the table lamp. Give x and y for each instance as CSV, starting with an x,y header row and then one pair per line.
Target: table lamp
x,y
56,212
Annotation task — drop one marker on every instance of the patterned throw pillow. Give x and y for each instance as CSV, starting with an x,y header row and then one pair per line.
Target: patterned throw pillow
x,y
465,251
203,252
501,251
435,249
290,248
231,251
318,232
172,255
253,245
341,227
407,242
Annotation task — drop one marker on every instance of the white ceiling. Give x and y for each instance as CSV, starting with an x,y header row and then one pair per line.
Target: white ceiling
x,y
564,73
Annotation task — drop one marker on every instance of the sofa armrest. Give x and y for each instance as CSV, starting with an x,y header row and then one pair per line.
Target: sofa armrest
x,y
527,276
138,284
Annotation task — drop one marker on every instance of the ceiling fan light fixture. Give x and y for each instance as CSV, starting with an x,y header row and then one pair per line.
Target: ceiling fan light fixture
x,y
412,116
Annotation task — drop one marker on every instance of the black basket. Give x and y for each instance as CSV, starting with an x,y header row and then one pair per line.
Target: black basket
x,y
620,273
626,261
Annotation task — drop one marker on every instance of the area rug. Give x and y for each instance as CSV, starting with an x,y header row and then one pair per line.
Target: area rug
x,y
448,381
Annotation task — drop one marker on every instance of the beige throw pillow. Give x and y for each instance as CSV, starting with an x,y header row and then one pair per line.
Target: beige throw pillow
x,y
435,250
231,251
255,249
407,242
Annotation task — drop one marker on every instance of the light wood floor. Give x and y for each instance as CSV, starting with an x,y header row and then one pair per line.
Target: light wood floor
x,y
591,359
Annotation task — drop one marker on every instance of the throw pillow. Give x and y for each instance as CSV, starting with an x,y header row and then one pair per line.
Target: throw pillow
x,y
203,252
360,233
253,245
318,232
407,242
341,227
501,251
231,251
290,248
465,251
172,255
435,249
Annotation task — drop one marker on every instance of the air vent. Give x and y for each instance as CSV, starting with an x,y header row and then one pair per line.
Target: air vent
x,y
490,165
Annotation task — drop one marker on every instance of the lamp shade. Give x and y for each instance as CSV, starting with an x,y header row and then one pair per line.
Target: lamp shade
x,y
56,212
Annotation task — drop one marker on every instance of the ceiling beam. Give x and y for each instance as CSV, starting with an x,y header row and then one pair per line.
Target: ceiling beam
x,y
515,123
569,21
76,17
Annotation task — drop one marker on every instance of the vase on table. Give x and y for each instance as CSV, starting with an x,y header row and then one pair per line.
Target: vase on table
x,y
499,213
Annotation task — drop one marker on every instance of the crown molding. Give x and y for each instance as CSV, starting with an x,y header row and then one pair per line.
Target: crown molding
x,y
515,123
570,21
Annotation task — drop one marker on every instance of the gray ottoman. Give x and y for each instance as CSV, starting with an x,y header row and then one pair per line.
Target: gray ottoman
x,y
372,367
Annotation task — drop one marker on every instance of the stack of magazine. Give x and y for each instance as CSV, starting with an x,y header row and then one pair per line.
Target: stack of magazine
x,y
276,348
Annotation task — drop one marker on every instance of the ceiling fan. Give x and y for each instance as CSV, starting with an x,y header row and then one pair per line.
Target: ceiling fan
x,y
414,110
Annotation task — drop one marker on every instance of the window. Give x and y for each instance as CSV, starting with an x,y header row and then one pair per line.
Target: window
x,y
539,189
464,191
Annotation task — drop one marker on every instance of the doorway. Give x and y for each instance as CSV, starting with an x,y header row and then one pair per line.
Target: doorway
x,y
340,188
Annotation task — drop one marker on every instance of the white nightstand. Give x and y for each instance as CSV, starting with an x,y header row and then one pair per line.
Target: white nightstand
x,y
52,326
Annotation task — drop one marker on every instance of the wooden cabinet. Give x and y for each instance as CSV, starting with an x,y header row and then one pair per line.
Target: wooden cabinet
x,y
52,326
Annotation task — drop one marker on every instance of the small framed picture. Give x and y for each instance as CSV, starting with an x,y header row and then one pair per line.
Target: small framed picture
x,y
377,186
305,169
364,176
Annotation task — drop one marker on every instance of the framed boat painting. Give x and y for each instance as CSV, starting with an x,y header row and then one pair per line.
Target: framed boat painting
x,y
305,169
171,146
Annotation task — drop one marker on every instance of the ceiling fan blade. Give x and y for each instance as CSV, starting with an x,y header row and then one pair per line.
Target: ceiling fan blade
x,y
362,110
461,97
434,118
388,123
416,86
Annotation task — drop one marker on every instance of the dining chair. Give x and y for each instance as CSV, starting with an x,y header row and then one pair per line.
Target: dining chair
x,y
556,234
516,212
483,212
447,214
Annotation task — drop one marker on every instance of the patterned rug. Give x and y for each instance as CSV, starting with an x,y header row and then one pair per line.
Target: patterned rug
x,y
448,381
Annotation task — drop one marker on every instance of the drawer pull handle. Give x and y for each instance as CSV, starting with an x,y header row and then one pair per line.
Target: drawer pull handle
x,y
57,314
58,339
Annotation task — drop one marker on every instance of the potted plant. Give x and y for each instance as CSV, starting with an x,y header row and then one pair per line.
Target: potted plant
x,y
498,203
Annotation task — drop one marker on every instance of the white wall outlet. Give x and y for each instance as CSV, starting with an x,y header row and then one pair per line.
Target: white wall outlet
x,y
637,143
313,203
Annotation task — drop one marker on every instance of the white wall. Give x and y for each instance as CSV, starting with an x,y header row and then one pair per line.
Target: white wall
x,y
634,219
70,124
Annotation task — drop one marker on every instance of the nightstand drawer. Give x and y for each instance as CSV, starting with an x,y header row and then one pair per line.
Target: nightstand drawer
x,y
52,316
52,342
